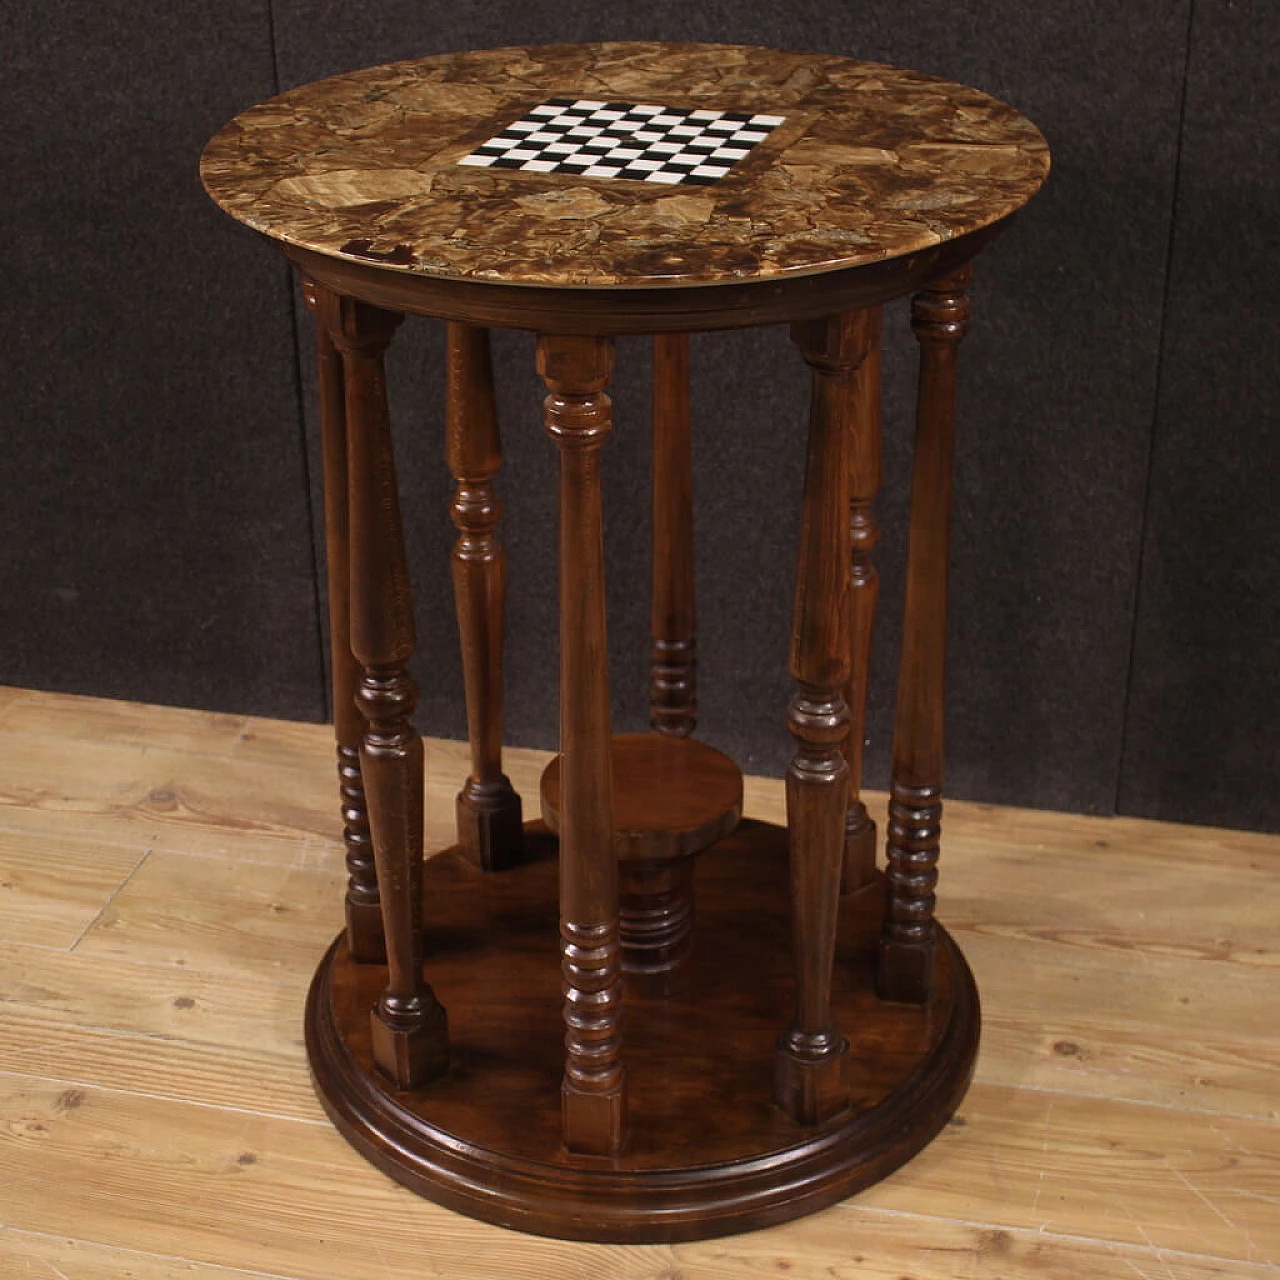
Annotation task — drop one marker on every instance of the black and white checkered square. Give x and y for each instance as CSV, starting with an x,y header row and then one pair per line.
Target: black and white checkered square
x,y
634,140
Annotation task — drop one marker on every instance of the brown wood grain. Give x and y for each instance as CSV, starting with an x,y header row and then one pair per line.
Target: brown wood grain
x,y
620,310
865,448
811,1064
578,419
363,906
489,811
1021,1161
52,888
1146,946
940,320
409,1025
673,612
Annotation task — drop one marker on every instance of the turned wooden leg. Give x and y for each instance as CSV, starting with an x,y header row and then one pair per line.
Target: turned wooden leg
x,y
363,909
490,824
673,701
864,590
410,1041
940,318
576,371
811,1081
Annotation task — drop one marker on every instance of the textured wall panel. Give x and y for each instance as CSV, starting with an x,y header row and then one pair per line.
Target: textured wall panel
x,y
1203,732
154,537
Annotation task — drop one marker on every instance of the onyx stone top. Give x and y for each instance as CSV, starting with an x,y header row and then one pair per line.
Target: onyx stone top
x,y
867,162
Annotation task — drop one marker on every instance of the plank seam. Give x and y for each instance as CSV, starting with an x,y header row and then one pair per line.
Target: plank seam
x,y
144,1253
1045,1234
106,906
1124,1102
320,1122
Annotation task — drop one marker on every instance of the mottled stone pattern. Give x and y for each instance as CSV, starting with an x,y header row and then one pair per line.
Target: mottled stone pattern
x,y
871,162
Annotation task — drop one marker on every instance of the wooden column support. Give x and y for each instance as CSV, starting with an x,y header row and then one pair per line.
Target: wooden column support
x,y
811,1063
410,1040
488,809
864,591
576,371
363,908
673,697
940,319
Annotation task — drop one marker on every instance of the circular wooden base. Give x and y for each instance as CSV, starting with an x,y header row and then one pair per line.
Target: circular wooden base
x,y
708,1152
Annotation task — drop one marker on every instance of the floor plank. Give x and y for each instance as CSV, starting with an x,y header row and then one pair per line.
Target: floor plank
x,y
33,1256
106,721
1146,1028
170,1002
888,1247
8,696
1115,1171
860,1243
173,877
1086,900
166,799
231,917
52,888
273,809
258,1191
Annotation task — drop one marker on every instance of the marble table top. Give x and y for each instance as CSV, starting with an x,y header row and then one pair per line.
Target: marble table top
x,y
624,164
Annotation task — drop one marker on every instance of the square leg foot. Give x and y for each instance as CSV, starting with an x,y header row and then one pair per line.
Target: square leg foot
x,y
904,972
593,1122
412,1055
365,939
859,867
491,826
811,1090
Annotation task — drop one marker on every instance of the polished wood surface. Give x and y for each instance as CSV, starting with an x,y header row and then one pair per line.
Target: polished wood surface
x,y
168,878
811,1069
408,1024
706,1152
622,310
489,811
672,798
673,613
363,907
940,320
578,420
870,183
640,923
864,593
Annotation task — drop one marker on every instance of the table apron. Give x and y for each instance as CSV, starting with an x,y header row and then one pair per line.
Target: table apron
x,y
656,309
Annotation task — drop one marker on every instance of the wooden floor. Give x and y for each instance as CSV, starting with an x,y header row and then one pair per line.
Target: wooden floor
x,y
168,880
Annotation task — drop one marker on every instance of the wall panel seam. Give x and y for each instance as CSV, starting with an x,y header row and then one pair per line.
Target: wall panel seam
x,y
314,534
1166,295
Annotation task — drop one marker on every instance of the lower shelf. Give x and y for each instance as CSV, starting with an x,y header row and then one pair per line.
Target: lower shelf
x,y
708,1152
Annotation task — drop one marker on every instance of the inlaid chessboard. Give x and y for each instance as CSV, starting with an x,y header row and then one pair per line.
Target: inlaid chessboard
x,y
637,140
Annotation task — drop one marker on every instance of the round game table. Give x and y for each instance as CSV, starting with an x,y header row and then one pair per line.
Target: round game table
x,y
664,1022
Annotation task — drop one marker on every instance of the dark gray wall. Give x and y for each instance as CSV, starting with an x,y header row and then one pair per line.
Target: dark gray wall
x,y
1201,739
155,540
1114,562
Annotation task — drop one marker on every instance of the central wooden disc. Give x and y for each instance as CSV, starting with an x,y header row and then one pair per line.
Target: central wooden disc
x,y
671,796
708,1152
